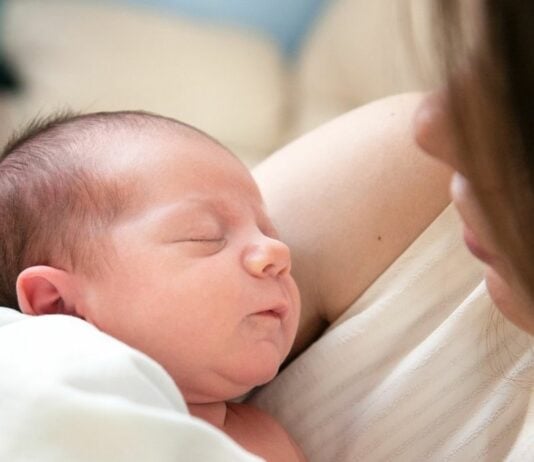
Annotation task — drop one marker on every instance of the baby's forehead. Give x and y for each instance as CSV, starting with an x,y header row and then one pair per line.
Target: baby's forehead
x,y
117,130
180,165
121,149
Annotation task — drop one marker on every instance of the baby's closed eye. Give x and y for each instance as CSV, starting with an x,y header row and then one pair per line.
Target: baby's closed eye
x,y
205,239
203,244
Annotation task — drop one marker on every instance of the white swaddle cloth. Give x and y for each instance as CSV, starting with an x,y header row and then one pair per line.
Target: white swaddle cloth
x,y
419,368
69,393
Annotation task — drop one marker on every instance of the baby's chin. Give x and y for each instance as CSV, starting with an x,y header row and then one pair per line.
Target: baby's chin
x,y
230,383
260,366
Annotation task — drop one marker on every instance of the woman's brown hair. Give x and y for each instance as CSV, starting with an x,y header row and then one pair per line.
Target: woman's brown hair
x,y
488,62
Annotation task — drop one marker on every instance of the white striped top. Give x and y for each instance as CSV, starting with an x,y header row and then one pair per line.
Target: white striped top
x,y
421,367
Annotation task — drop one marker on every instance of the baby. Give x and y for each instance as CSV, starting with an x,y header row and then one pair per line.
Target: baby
x,y
156,234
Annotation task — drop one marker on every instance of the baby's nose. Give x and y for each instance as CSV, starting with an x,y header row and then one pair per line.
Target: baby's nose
x,y
268,258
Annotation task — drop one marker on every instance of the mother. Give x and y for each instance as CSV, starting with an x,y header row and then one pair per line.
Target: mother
x,y
415,369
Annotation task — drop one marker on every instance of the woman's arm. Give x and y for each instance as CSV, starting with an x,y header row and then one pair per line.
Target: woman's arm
x,y
349,198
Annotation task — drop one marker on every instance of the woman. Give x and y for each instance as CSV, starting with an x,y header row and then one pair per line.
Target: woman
x,y
487,138
444,381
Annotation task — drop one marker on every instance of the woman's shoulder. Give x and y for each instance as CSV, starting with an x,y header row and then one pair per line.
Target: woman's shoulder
x,y
349,198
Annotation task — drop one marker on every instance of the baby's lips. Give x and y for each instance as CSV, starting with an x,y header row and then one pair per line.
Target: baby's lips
x,y
279,311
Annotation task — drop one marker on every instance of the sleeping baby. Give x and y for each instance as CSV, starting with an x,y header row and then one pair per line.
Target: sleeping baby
x,y
156,234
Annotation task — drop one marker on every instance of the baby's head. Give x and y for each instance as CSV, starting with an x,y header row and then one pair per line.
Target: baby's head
x,y
156,234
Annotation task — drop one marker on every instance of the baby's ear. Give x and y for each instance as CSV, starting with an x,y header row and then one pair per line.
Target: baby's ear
x,y
45,290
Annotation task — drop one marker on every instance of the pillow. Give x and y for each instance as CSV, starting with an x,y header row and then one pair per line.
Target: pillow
x,y
285,22
361,51
93,57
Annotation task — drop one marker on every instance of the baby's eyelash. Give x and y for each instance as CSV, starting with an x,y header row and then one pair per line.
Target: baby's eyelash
x,y
206,240
209,245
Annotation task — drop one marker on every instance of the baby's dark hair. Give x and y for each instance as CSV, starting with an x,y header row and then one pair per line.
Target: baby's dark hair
x,y
55,206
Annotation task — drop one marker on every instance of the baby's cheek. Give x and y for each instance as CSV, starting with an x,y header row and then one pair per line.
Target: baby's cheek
x,y
292,321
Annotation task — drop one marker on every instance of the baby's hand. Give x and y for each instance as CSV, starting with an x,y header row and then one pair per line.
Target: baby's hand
x,y
261,434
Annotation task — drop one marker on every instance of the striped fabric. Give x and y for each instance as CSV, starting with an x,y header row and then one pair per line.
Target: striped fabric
x,y
420,368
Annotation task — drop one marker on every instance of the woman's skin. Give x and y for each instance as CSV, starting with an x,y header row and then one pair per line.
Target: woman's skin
x,y
342,238
434,132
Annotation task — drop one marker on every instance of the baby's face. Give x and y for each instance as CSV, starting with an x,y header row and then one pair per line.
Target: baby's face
x,y
196,276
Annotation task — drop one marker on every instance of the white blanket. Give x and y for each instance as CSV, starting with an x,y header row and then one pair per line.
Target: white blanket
x,y
69,393
419,369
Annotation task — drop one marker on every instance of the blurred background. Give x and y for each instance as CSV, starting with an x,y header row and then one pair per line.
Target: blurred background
x,y
253,73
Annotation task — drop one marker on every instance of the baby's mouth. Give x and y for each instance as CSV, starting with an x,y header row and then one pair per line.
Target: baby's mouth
x,y
275,312
269,313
